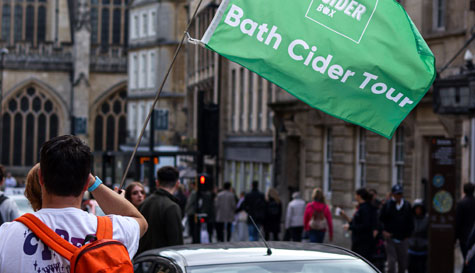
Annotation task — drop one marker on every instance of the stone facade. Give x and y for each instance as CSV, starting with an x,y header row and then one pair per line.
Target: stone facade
x,y
155,31
55,84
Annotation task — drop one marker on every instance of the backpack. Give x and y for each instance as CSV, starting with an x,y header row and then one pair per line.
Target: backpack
x,y
318,220
101,255
2,198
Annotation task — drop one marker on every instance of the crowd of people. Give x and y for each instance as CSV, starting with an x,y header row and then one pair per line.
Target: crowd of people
x,y
390,233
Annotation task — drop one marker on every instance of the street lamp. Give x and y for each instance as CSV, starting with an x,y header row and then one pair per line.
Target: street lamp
x,y
3,52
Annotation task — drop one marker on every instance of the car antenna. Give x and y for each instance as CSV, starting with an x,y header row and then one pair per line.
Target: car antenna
x,y
269,251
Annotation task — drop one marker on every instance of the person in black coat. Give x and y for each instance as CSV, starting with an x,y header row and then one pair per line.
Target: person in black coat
x,y
418,243
465,217
273,215
398,224
362,225
162,212
255,206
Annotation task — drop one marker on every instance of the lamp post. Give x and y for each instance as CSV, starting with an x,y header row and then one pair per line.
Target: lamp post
x,y
3,52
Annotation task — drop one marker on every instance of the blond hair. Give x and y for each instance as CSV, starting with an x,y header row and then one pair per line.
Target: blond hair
x,y
272,193
32,188
317,195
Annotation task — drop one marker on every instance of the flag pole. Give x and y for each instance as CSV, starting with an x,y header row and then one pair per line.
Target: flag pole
x,y
157,97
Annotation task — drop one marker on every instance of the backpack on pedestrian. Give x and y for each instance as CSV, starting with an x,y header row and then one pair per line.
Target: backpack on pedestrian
x,y
318,220
2,199
101,255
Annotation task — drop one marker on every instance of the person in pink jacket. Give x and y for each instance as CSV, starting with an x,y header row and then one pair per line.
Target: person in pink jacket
x,y
315,211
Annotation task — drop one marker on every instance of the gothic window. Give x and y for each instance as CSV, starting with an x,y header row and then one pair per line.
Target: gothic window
x,y
18,21
116,27
23,21
108,22
6,22
110,122
41,24
29,120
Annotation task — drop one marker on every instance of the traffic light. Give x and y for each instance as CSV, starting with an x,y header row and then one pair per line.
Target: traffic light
x,y
204,182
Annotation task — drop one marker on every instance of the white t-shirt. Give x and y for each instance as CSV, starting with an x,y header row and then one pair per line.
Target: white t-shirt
x,y
21,251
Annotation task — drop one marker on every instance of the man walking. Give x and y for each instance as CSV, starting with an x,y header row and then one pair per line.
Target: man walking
x,y
294,217
255,205
163,213
465,217
225,205
64,175
8,207
396,218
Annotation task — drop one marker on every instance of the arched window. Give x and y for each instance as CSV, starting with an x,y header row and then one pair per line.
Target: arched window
x,y
110,122
24,21
108,22
30,118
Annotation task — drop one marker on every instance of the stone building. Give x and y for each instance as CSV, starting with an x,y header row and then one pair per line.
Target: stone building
x,y
156,28
248,142
204,81
340,157
311,149
65,72
245,150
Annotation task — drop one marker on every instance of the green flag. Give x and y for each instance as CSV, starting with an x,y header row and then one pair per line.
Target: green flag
x,y
362,61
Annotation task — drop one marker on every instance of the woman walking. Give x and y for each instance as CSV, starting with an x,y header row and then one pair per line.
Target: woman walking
x,y
317,218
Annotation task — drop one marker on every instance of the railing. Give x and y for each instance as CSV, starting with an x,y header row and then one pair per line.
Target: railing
x,y
108,59
23,55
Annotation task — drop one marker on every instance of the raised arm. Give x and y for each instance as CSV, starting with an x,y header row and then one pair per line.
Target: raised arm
x,y
113,203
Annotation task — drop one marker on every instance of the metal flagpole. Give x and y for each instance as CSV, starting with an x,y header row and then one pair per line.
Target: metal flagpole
x,y
157,97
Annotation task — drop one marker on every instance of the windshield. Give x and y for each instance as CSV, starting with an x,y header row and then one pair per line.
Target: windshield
x,y
334,266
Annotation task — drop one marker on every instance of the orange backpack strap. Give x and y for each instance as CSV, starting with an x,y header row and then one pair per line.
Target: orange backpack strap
x,y
47,235
104,228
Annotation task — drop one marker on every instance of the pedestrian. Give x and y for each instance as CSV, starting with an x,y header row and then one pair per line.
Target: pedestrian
x,y
240,220
465,217
469,260
8,208
362,225
180,195
225,205
317,218
200,207
294,217
379,253
255,206
33,188
135,193
10,181
65,165
190,213
418,243
398,224
162,212
273,215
